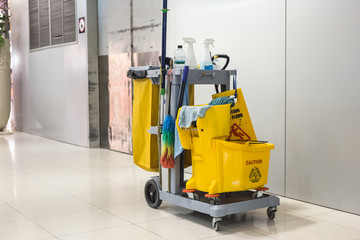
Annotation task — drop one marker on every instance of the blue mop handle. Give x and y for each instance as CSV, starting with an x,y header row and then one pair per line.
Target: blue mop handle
x,y
185,74
163,49
183,85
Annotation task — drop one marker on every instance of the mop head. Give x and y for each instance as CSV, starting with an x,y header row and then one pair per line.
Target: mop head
x,y
222,101
168,137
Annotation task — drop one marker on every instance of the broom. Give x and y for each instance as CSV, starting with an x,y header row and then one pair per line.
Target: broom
x,y
168,134
168,128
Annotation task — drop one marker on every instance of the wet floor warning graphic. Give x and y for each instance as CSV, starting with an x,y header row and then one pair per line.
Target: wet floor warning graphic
x,y
255,175
237,132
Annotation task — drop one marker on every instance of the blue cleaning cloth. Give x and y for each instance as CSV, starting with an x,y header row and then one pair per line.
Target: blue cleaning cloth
x,y
188,114
178,149
186,117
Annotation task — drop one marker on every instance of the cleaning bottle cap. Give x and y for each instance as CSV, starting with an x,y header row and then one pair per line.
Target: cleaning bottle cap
x,y
189,40
209,41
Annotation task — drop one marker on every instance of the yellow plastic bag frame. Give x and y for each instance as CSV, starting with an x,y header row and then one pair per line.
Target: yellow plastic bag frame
x,y
145,114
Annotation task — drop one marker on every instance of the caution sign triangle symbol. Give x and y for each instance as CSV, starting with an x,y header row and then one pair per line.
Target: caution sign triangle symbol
x,y
237,132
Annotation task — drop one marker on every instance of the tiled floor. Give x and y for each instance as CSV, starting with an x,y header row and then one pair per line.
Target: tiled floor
x,y
51,190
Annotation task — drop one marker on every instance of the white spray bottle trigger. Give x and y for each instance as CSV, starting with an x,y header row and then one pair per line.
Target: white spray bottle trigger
x,y
209,41
189,40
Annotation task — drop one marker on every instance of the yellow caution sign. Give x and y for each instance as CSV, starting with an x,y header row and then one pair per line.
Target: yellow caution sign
x,y
241,127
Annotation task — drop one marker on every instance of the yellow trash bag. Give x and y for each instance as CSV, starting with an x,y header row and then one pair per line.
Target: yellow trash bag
x,y
241,127
145,114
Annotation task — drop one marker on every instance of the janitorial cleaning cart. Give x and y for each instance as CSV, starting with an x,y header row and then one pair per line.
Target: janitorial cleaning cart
x,y
229,165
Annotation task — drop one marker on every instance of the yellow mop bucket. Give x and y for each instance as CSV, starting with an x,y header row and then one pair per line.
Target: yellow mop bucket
x,y
245,164
220,165
230,166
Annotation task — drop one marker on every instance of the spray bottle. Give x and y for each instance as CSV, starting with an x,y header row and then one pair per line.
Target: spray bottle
x,y
190,57
206,63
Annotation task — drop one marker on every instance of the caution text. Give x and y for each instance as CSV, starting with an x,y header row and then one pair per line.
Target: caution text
x,y
254,162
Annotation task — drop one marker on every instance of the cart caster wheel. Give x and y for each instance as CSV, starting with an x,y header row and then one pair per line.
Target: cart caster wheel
x,y
152,195
216,223
257,194
271,212
215,201
254,195
196,197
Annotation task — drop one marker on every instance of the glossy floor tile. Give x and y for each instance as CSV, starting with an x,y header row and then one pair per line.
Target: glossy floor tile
x,y
188,226
22,229
51,207
141,212
79,222
51,190
247,234
9,214
131,232
340,218
307,228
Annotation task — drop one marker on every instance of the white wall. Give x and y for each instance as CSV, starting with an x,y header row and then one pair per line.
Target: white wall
x,y
323,113
298,64
51,85
252,33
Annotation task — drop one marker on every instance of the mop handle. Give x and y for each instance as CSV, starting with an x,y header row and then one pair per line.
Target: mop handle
x,y
163,48
185,74
183,85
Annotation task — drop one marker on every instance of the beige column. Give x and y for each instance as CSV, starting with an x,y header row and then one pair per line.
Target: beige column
x,y
5,95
